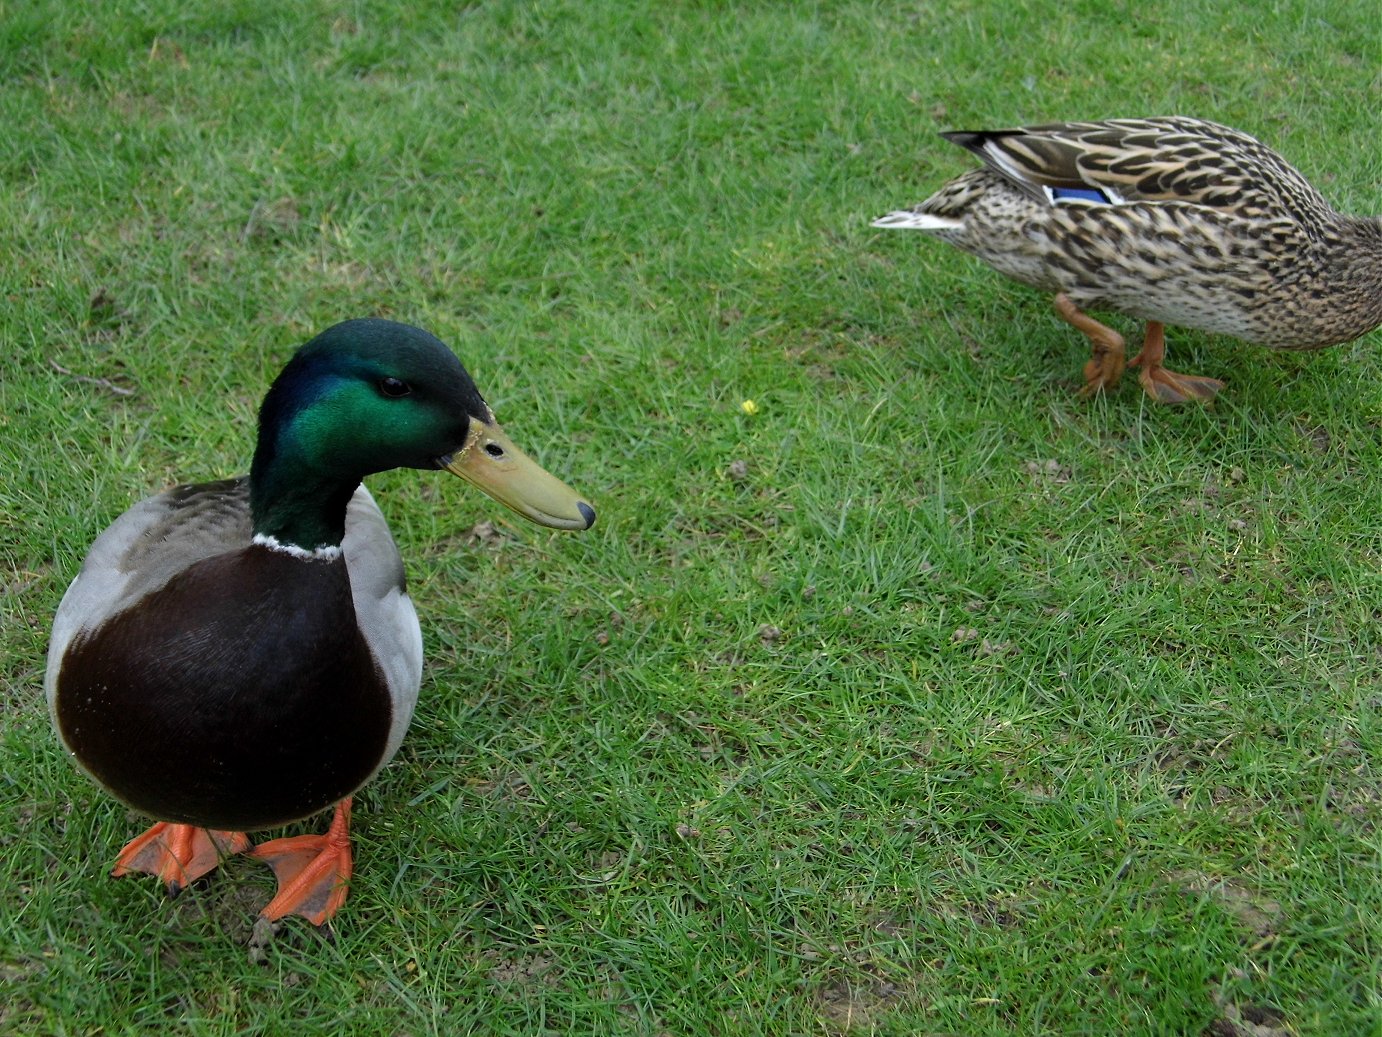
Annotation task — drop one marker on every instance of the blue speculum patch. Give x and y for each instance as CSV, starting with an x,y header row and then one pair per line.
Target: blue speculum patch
x,y
1082,194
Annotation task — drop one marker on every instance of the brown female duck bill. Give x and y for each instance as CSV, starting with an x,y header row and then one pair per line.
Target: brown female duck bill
x,y
1169,220
240,654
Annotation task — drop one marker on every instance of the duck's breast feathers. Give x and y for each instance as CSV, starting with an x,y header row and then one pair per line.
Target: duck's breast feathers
x,y
241,694
1166,159
165,534
175,619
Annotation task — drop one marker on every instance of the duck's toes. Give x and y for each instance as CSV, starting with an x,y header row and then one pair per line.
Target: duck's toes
x,y
313,871
1103,371
178,854
1172,387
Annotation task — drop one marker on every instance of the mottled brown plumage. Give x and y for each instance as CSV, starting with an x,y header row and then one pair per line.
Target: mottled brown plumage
x,y
1170,220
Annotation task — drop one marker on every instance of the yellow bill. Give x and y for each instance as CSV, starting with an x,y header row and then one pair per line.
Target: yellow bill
x,y
490,461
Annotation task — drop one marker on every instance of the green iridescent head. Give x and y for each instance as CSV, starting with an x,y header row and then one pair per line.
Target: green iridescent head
x,y
369,395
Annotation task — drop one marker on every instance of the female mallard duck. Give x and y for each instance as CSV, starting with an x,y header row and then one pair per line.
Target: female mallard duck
x,y
1171,220
237,655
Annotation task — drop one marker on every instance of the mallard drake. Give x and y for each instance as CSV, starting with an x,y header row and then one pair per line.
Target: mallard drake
x,y
1170,220
241,654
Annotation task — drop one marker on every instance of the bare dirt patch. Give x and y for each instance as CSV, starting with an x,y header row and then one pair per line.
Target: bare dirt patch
x,y
847,1006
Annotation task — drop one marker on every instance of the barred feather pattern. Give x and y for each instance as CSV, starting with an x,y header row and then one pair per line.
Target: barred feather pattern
x,y
1210,229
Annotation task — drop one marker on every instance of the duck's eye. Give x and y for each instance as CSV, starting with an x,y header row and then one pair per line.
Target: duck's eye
x,y
494,450
393,388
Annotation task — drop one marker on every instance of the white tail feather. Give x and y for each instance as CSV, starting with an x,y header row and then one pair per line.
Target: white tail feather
x,y
905,219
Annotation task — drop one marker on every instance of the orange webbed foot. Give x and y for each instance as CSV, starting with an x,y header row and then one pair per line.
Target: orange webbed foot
x,y
178,854
313,871
1102,372
1166,386
1170,387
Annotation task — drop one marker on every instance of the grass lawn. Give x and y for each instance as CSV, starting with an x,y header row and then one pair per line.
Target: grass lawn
x,y
927,700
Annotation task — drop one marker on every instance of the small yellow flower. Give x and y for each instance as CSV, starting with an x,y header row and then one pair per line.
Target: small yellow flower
x,y
749,407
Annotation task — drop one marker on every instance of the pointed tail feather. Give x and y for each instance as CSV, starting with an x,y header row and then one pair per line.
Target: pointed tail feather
x,y
906,219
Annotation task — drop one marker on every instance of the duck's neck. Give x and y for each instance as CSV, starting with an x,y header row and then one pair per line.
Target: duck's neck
x,y
295,505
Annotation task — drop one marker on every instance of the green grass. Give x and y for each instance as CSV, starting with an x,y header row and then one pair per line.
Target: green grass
x,y
963,706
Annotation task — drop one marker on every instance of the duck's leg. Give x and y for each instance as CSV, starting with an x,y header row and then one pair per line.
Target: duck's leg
x,y
313,871
178,854
1107,348
1168,386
